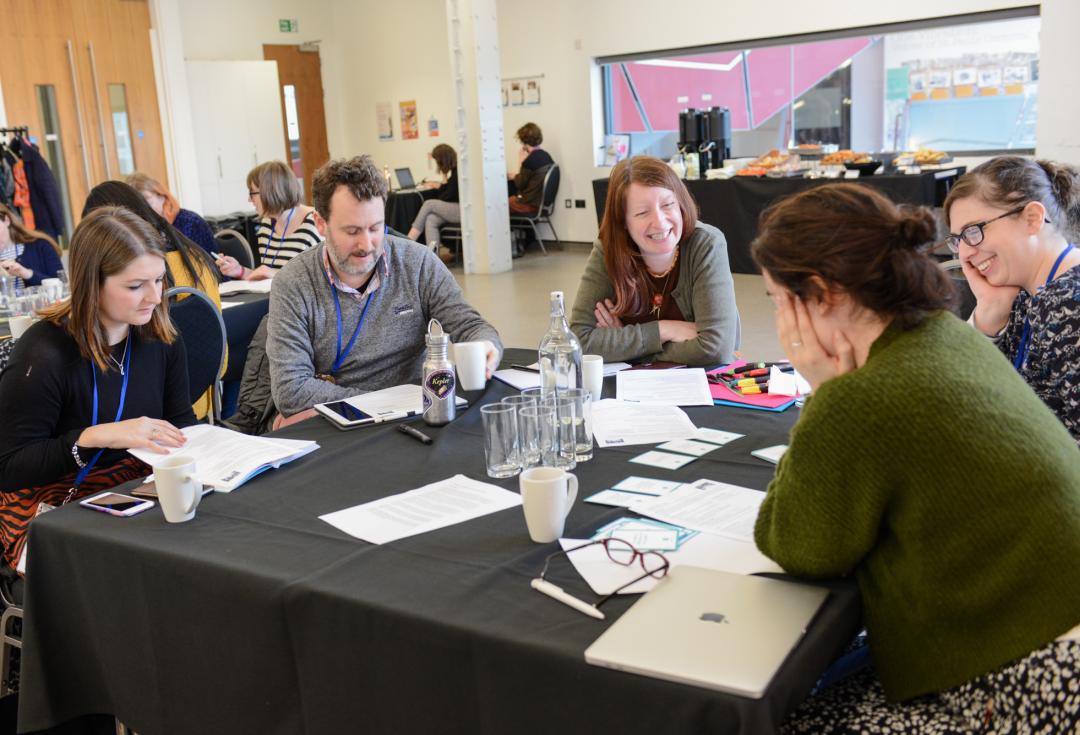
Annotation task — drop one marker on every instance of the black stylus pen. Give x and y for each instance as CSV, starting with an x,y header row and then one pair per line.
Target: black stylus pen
x,y
414,433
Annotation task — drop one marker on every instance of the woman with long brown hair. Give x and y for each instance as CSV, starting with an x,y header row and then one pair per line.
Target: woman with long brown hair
x,y
100,374
27,255
657,285
443,208
920,452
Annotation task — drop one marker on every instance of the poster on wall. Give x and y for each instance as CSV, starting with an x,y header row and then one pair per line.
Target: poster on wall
x,y
410,125
532,92
433,127
384,120
517,94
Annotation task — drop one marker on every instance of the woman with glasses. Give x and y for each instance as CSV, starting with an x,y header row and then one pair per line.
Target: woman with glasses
x,y
923,467
1012,223
26,255
286,227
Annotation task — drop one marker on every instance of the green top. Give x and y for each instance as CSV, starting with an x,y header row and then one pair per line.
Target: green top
x,y
940,479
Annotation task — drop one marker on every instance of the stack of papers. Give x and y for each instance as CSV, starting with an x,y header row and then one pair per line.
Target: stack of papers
x,y
682,387
617,423
236,287
530,378
226,459
397,402
708,506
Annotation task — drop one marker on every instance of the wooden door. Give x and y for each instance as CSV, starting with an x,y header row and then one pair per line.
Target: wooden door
x,y
300,76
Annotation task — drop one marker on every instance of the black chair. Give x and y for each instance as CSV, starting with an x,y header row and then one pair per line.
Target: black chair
x,y
547,208
965,299
231,242
199,321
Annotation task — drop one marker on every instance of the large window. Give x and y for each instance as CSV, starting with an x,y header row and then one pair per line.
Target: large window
x,y
970,85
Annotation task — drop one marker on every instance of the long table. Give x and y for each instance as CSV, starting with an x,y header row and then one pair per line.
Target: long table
x,y
735,205
256,617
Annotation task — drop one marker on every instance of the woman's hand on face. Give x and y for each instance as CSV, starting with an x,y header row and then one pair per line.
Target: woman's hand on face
x,y
229,266
993,303
801,344
262,273
604,316
141,433
14,268
673,330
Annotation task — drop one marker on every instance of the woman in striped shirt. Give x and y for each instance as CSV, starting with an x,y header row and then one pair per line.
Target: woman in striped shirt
x,y
286,227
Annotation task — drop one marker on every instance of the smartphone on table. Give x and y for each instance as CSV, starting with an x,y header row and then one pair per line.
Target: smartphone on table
x,y
116,504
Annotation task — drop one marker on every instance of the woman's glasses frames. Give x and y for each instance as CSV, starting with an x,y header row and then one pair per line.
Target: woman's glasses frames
x,y
973,234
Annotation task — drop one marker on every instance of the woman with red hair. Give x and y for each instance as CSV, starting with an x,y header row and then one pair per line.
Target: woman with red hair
x,y
161,201
657,286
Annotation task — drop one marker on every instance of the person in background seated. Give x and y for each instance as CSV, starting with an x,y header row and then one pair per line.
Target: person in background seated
x,y
350,316
443,208
529,180
657,285
918,453
286,227
1015,221
99,374
188,223
186,263
26,255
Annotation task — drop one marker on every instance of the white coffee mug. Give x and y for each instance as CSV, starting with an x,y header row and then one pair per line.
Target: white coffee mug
x,y
547,494
178,491
471,361
592,375
19,324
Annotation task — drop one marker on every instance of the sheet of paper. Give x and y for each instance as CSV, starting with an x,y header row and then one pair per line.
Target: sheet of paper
x,y
231,287
704,550
617,423
613,498
610,368
645,485
683,387
647,539
787,384
707,506
454,500
230,304
688,446
715,436
663,460
771,454
400,400
520,379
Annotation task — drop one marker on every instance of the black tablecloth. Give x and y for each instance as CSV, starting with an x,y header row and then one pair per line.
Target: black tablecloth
x,y
402,208
241,321
735,205
256,617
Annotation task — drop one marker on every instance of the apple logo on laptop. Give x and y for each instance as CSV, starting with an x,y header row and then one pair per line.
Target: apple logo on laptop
x,y
711,617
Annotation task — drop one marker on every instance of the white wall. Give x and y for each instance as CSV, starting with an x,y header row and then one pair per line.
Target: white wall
x,y
1057,132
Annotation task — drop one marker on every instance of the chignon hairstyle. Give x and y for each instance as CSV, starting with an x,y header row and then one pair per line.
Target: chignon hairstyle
x,y
104,244
1011,181
859,242
622,257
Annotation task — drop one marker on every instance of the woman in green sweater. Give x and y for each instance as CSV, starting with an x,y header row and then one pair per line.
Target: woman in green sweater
x,y
923,465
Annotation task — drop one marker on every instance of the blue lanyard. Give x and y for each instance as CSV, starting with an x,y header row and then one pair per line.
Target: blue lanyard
x,y
1021,353
341,355
281,242
119,410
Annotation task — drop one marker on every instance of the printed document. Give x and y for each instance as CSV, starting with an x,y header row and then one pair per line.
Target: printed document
x,y
454,500
236,287
707,506
618,423
682,387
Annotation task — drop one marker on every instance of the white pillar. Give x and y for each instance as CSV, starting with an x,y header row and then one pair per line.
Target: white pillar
x,y
474,72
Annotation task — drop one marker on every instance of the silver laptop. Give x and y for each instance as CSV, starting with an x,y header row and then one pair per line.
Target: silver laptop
x,y
404,178
717,630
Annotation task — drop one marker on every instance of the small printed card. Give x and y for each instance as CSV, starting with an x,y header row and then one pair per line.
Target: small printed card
x,y
664,460
646,533
771,454
687,446
715,436
646,486
614,498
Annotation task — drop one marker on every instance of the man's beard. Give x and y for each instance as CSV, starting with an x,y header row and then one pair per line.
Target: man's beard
x,y
346,268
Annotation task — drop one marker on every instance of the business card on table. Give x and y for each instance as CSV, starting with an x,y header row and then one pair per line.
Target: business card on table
x,y
646,486
771,454
715,436
664,460
614,498
687,446
648,540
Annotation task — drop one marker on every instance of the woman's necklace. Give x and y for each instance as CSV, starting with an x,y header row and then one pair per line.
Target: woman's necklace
x,y
114,361
658,298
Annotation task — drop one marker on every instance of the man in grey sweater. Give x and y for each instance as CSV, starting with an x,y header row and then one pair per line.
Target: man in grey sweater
x,y
350,315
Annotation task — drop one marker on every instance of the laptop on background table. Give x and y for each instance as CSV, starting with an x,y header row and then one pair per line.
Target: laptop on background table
x,y
405,179
722,631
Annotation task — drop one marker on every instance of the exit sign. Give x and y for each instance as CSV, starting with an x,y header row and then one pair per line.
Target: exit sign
x,y
289,25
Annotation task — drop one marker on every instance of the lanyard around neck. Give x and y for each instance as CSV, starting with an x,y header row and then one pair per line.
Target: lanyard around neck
x,y
1021,352
281,242
119,409
342,354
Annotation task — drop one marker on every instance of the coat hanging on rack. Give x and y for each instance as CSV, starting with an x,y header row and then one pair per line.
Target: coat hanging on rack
x,y
47,211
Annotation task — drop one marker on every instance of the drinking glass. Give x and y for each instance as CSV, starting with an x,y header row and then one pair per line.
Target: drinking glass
x,y
500,440
539,439
519,402
565,413
582,423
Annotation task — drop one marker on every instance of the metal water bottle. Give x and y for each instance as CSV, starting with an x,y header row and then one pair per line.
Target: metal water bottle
x,y
439,380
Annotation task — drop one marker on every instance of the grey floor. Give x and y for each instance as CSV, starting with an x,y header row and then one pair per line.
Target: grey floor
x,y
517,302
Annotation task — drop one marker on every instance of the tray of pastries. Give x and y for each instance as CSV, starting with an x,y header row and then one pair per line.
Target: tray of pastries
x,y
922,157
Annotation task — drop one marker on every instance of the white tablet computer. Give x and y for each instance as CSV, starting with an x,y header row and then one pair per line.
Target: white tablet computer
x,y
389,404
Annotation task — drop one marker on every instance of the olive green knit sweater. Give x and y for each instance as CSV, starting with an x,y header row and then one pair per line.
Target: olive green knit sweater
x,y
936,476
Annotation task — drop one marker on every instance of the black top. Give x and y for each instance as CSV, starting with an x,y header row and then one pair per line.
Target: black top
x,y
537,160
46,400
530,179
448,192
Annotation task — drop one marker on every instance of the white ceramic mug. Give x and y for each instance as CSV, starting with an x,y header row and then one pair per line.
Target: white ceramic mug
x,y
19,324
592,375
178,491
471,361
547,494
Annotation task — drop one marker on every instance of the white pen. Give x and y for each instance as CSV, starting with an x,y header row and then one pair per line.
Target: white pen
x,y
390,416
556,593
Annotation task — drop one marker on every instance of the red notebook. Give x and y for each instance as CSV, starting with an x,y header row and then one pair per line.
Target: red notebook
x,y
724,396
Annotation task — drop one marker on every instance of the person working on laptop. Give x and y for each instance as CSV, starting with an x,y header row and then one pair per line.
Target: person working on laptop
x,y
443,208
924,466
350,315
